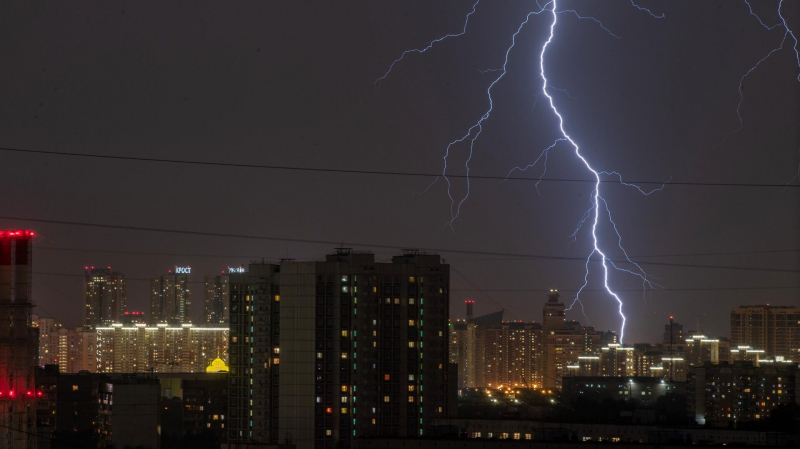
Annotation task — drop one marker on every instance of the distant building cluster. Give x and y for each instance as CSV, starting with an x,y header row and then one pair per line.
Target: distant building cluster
x,y
348,351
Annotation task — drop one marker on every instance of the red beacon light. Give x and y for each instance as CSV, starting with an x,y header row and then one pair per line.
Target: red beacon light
x,y
39,394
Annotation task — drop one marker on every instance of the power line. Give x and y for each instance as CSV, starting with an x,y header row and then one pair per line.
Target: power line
x,y
376,245
664,290
254,257
379,172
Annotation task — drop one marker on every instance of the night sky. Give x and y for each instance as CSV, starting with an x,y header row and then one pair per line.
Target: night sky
x,y
291,83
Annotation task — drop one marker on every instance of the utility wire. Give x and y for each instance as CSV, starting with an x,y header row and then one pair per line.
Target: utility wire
x,y
380,172
253,257
376,245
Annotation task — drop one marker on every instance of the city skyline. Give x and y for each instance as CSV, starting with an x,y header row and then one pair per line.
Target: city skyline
x,y
324,111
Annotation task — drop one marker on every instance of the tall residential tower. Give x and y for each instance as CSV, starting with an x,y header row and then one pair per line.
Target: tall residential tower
x,y
106,296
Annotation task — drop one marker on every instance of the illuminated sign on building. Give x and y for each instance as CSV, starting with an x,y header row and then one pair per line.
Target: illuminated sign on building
x,y
183,270
235,269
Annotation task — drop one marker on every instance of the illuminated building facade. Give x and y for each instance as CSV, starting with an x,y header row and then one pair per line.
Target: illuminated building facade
x,y
725,394
563,342
18,342
170,297
77,350
215,300
162,348
106,296
617,360
48,339
775,329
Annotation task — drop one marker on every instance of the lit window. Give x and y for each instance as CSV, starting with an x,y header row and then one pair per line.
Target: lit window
x,y
344,388
344,356
387,377
344,278
411,322
277,298
74,388
411,388
344,333
411,399
215,417
440,410
386,399
410,377
319,400
527,436
319,355
396,301
410,301
373,420
276,361
276,350
328,432
234,339
410,344
343,411
343,399
516,436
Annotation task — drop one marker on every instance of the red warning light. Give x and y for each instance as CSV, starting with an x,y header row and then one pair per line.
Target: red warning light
x,y
329,410
39,394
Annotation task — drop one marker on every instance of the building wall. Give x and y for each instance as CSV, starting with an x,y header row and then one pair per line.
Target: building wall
x,y
725,394
160,349
775,329
135,414
255,360
215,300
106,296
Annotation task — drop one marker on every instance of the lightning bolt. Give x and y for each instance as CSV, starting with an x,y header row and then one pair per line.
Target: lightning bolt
x,y
787,33
597,202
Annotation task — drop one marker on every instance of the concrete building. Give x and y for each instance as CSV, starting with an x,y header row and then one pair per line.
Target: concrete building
x,y
490,352
162,348
255,355
215,300
363,348
563,342
775,329
48,339
76,350
617,360
170,297
18,342
723,395
106,296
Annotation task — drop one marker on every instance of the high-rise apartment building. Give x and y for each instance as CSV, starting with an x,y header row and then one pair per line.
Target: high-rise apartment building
x,y
215,300
775,329
255,355
18,342
563,342
163,348
77,350
377,365
48,339
490,352
361,347
106,296
170,297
